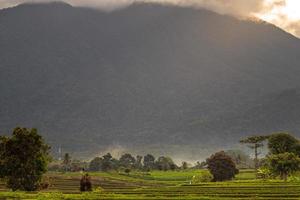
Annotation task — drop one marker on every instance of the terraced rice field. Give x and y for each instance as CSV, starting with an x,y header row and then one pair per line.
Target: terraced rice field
x,y
161,185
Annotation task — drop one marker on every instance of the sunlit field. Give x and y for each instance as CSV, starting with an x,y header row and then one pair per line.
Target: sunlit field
x,y
161,185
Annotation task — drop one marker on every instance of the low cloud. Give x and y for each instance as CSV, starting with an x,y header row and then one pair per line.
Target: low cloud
x,y
241,8
235,7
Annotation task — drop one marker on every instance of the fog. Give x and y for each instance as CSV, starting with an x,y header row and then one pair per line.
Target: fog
x,y
268,10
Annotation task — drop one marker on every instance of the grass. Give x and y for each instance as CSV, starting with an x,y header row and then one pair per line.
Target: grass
x,y
160,185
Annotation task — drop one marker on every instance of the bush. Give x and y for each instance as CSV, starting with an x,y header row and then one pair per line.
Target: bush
x,y
203,177
294,179
98,190
264,173
221,166
85,183
127,170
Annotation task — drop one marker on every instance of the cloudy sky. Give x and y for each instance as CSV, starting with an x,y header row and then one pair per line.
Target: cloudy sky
x,y
283,13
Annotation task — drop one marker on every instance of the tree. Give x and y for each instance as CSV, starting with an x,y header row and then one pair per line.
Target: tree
x,y
67,162
200,165
24,159
107,162
184,165
221,166
115,164
255,142
138,162
95,164
283,142
284,164
149,162
165,163
127,161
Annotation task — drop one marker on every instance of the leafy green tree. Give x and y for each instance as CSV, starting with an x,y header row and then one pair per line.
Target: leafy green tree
x,y
221,166
107,162
283,142
165,163
127,161
115,164
255,142
149,162
284,164
95,164
24,159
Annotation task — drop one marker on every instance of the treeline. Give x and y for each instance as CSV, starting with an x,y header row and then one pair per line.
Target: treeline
x,y
129,162
162,163
126,163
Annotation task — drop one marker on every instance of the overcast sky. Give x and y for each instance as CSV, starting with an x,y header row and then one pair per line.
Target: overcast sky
x,y
283,13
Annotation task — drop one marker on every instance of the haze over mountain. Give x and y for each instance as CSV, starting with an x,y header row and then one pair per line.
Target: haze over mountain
x,y
147,78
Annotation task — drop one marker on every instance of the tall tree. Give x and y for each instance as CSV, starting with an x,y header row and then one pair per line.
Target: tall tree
x,y
138,162
255,142
67,162
282,143
165,163
149,162
284,164
127,161
24,157
95,164
107,162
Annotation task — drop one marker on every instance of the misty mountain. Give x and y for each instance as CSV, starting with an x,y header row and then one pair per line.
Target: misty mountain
x,y
158,78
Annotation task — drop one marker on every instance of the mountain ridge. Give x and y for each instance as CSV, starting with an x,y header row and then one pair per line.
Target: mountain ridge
x,y
146,75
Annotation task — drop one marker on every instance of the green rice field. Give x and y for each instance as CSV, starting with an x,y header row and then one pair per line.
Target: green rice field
x,y
160,185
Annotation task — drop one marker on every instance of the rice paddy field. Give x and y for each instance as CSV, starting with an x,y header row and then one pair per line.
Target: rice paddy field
x,y
160,185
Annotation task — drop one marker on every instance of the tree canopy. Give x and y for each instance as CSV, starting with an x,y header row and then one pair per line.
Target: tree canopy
x,y
24,158
255,142
221,166
282,143
284,164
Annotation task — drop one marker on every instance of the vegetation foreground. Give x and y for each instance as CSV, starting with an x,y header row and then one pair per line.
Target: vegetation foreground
x,y
24,159
161,185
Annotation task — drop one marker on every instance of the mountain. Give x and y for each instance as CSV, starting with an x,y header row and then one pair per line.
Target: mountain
x,y
146,78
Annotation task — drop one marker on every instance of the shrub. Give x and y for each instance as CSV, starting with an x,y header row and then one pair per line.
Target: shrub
x,y
127,170
85,183
221,166
203,177
264,173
